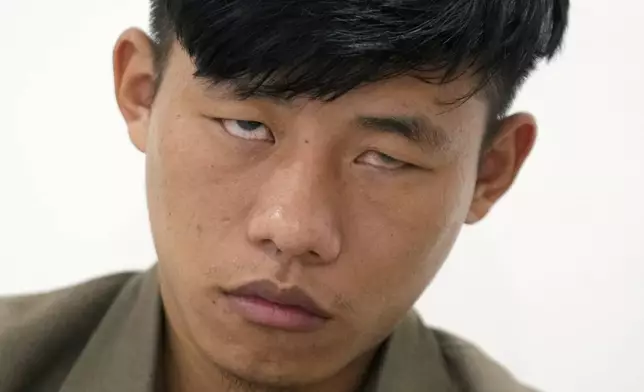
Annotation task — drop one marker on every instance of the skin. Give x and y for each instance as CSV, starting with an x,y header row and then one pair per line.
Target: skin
x,y
306,200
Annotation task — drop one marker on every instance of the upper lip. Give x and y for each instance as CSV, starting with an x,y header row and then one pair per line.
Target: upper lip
x,y
291,296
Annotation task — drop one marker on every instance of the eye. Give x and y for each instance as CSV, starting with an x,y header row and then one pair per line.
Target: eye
x,y
381,161
249,130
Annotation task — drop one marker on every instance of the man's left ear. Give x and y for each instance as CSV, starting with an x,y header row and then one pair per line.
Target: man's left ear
x,y
501,161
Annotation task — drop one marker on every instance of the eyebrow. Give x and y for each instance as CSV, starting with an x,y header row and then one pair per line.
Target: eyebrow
x,y
417,129
227,90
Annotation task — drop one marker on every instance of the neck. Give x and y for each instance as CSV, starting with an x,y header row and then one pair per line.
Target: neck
x,y
185,369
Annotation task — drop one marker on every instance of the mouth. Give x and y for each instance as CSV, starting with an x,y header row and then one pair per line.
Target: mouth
x,y
264,303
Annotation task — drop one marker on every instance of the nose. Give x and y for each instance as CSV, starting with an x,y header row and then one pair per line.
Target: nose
x,y
294,216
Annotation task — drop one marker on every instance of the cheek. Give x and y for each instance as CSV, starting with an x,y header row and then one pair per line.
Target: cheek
x,y
402,245
197,201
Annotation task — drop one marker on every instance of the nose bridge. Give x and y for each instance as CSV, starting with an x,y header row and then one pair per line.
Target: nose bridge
x,y
295,210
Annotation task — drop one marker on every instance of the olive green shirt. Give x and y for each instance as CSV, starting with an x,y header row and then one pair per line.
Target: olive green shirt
x,y
104,335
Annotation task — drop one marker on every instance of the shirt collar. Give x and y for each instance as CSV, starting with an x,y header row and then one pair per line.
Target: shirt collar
x,y
410,361
123,352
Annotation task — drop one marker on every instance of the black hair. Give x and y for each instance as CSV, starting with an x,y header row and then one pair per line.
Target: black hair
x,y
325,48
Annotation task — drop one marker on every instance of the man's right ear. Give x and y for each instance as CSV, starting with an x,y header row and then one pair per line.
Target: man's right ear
x,y
134,83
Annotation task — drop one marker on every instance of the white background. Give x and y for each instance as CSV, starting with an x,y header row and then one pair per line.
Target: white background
x,y
552,284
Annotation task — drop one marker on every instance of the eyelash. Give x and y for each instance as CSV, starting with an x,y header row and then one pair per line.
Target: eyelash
x,y
388,159
226,127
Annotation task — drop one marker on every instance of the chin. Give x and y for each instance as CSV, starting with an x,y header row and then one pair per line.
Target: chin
x,y
264,356
270,369
270,358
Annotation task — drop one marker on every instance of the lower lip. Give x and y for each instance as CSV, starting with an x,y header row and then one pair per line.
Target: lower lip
x,y
262,312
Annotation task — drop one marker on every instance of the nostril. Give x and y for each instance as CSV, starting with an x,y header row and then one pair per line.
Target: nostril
x,y
270,247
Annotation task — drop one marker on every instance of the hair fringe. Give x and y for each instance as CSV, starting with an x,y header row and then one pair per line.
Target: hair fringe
x,y
323,49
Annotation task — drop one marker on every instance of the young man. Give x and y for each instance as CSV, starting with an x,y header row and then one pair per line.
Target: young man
x,y
309,166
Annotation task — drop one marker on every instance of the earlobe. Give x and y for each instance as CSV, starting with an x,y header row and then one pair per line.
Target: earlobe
x,y
501,163
134,83
479,207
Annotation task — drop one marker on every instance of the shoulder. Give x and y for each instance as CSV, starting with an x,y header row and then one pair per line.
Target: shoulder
x,y
41,334
21,311
472,369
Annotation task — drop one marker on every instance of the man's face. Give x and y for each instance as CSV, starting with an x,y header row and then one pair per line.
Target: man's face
x,y
330,198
